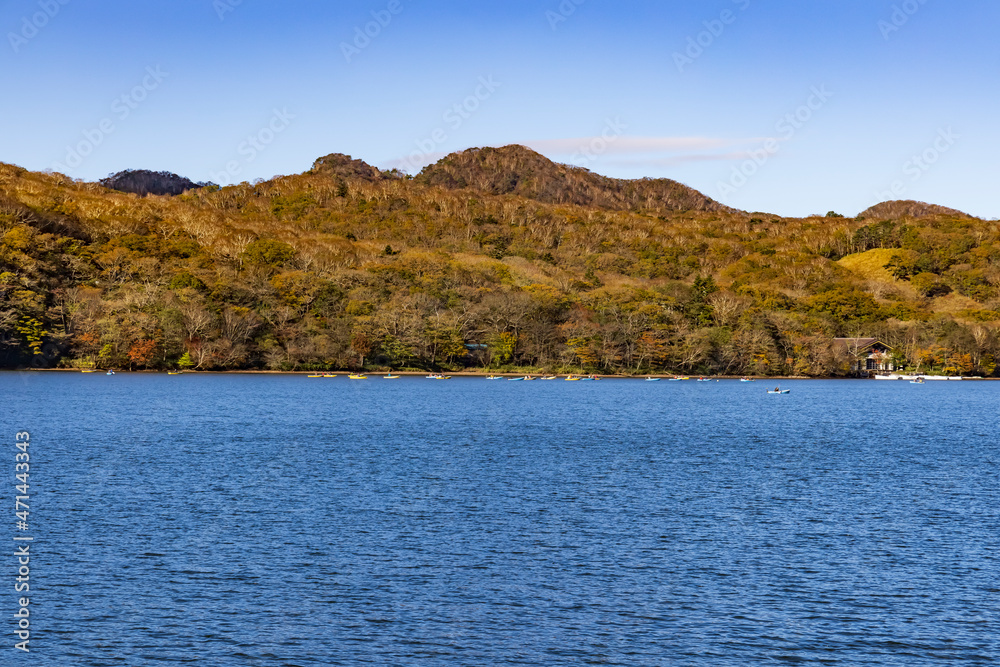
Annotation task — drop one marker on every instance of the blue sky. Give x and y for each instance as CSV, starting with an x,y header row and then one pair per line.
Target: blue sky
x,y
787,106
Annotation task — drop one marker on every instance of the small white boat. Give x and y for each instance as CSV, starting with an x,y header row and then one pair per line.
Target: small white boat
x,y
390,376
779,391
925,378
652,379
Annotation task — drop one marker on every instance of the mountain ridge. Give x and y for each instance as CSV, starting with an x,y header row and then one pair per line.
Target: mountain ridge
x,y
543,266
517,170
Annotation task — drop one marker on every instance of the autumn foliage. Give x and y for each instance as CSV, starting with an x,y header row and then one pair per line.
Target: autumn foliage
x,y
493,258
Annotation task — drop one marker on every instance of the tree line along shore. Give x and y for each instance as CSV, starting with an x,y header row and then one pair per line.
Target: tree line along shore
x,y
490,259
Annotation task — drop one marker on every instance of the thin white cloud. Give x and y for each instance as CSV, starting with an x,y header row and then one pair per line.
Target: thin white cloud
x,y
682,159
632,151
626,144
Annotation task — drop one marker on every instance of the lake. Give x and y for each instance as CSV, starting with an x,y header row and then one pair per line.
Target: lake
x,y
280,520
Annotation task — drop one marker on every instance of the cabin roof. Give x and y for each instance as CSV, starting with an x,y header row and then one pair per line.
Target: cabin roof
x,y
859,344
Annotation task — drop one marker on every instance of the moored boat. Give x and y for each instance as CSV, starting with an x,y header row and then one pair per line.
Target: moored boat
x,y
925,378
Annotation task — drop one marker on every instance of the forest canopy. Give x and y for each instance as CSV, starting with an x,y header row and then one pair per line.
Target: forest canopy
x,y
492,258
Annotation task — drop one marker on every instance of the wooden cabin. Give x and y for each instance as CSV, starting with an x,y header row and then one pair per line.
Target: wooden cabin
x,y
868,356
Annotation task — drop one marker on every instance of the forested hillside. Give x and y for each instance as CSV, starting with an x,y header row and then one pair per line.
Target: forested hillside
x,y
491,258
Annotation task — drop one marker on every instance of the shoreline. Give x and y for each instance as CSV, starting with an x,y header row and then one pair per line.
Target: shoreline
x,y
471,374
483,374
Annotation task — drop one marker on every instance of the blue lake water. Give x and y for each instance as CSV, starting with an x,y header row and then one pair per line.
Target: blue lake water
x,y
280,520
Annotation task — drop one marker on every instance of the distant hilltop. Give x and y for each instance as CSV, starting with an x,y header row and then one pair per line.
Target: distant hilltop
x,y
908,209
144,182
518,171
